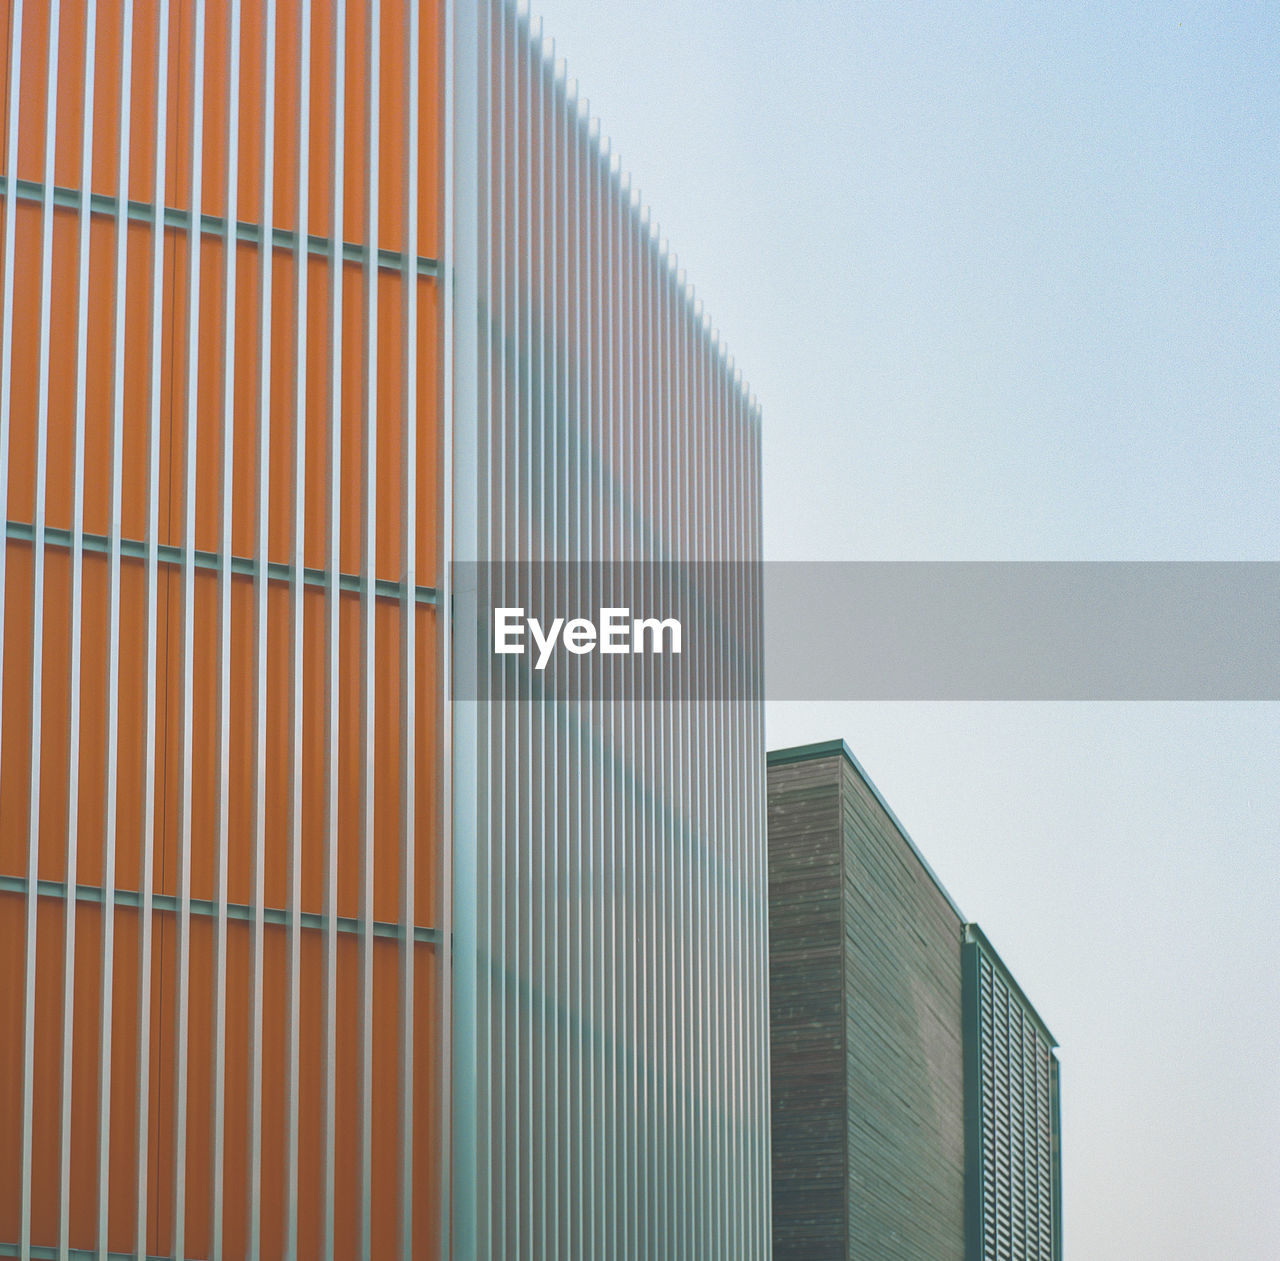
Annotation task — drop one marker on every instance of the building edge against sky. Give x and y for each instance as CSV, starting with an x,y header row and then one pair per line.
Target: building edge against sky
x,y
229,500
915,1087
610,1017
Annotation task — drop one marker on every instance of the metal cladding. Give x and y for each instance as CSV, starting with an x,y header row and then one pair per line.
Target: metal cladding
x,y
610,1038
915,1089
303,955
219,779
1015,1178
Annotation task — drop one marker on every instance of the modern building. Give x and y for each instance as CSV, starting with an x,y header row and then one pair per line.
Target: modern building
x,y
915,1088
319,934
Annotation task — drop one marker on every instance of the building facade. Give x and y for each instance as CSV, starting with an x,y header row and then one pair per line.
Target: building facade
x,y
319,939
914,1087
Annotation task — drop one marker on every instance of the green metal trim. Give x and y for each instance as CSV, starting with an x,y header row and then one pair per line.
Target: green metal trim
x,y
971,1038
807,752
247,566
212,225
1055,1152
50,1252
833,748
168,903
973,933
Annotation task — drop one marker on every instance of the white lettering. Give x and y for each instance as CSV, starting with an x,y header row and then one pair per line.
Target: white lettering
x,y
614,630
546,642
656,629
579,636
504,627
617,633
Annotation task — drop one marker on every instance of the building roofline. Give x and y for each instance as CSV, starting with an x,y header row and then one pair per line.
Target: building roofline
x,y
830,748
973,933
969,928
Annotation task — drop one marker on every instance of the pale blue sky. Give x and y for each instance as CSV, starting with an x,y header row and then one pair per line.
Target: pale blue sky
x,y
1006,279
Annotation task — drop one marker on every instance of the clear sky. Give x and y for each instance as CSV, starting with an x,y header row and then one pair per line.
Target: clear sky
x,y
1006,278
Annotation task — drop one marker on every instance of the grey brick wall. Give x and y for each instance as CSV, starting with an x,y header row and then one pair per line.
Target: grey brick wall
x,y
866,1005
904,1044
806,1011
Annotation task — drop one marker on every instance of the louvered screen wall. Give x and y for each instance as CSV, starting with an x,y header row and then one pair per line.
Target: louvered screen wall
x,y
1014,1193
611,984
219,473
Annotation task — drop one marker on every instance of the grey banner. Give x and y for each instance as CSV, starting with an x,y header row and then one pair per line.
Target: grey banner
x,y
880,631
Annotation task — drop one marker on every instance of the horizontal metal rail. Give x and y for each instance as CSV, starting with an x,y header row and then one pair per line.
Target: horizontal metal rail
x,y
212,225
47,1252
166,902
171,554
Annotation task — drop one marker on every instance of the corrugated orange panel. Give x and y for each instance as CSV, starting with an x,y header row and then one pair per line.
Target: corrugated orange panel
x,y
86,1020
173,752
429,433
12,947
31,120
15,740
47,1092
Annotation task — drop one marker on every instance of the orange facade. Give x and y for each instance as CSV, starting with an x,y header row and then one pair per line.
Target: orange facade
x,y
248,745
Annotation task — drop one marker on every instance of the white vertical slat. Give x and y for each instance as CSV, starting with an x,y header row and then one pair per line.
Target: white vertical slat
x,y
695,746
76,611
673,970
575,1041
469,422
696,902
661,554
762,1184
611,734
368,629
752,751
625,763
112,709
709,1042
634,769
182,963
593,944
644,833
735,835
409,631
476,65
301,263
37,621
634,1051
539,902
6,303
489,516
681,470
528,846
533,755
333,598
253,1167
229,311
517,834
553,195
458,133
740,833
678,468
146,861
493,1232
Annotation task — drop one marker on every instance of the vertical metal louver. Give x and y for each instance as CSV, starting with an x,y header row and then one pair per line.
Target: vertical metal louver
x,y
299,303
1011,1070
610,1010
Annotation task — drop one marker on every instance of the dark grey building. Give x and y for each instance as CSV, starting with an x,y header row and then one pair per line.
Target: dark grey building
x,y
914,1087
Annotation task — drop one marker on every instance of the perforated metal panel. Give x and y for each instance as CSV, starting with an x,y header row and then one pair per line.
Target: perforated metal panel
x,y
1013,1117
